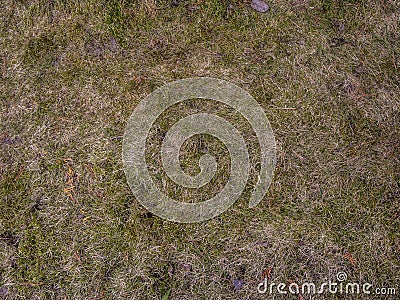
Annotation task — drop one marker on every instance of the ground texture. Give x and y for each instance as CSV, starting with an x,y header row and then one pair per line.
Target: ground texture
x,y
71,73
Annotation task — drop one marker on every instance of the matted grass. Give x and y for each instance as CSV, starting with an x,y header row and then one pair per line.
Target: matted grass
x,y
327,75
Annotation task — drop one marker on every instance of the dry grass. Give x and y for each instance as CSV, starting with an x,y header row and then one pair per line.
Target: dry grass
x,y
327,75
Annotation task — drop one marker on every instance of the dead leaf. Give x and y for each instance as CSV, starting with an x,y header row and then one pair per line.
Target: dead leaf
x,y
267,273
70,174
350,258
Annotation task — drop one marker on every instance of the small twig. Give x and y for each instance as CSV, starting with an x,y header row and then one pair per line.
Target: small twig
x,y
31,284
298,155
21,170
77,257
4,73
94,175
284,108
